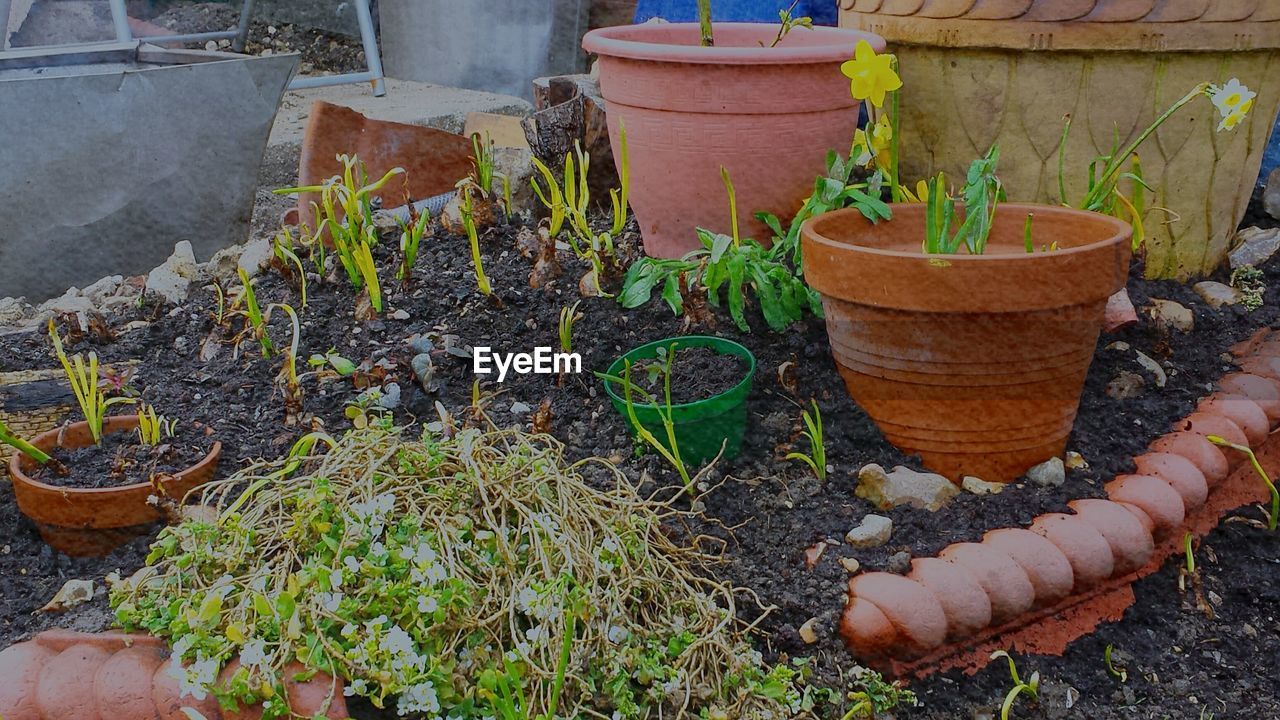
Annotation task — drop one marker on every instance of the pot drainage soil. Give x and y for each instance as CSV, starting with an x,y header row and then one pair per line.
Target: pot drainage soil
x,y
122,460
774,520
697,373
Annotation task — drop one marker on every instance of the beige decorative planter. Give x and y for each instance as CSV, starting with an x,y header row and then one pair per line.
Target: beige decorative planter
x,y
979,72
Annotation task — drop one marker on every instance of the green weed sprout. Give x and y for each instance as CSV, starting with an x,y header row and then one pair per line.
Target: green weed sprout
x,y
1189,554
733,206
254,313
982,192
1031,688
817,459
671,451
1252,285
577,195
8,437
362,254
568,316
1118,672
876,696
1273,517
153,428
619,196
289,373
85,382
410,238
467,207
283,247
552,198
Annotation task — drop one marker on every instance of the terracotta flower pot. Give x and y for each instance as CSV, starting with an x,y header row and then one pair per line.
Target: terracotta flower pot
x,y
976,363
71,519
768,115
979,72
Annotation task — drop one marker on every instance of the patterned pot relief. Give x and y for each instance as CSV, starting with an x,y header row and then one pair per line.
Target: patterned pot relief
x,y
980,72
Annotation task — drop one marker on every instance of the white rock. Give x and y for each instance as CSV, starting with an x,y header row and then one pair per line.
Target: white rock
x,y
14,310
1169,315
223,264
71,302
873,532
904,486
1076,461
1050,473
519,408
172,279
1217,294
103,289
1254,246
400,315
255,256
978,486
1125,385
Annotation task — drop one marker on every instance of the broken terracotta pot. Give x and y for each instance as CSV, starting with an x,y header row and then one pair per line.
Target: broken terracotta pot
x,y
64,674
433,160
91,521
768,115
974,362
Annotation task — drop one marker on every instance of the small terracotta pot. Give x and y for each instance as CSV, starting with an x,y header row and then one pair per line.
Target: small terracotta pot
x,y
62,514
766,114
975,363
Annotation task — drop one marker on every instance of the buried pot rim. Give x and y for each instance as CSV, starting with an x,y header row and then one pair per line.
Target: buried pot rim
x,y
642,352
653,42
26,487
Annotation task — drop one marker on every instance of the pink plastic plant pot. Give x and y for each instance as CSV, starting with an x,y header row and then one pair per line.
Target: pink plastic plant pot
x,y
766,114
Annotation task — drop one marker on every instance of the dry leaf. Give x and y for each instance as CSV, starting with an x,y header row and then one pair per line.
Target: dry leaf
x,y
542,417
1153,367
813,554
73,593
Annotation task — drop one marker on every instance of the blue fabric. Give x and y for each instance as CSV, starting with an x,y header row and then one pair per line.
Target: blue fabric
x,y
823,12
1271,158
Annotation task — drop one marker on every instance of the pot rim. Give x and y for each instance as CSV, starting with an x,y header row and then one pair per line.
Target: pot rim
x,y
1123,232
838,45
111,424
700,341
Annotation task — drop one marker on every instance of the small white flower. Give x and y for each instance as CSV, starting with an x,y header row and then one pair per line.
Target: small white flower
x,y
348,631
1232,97
352,563
330,601
536,633
427,604
195,679
377,550
254,654
357,687
617,634
335,579
525,599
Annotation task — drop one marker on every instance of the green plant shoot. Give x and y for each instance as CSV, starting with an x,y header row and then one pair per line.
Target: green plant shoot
x,y
568,316
153,428
705,30
467,207
552,198
1273,517
363,255
788,22
619,196
283,247
257,323
86,385
671,450
8,437
289,372
817,457
1117,672
410,238
1031,688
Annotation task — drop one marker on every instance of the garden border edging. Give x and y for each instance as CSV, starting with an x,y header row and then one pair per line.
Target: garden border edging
x,y
1015,592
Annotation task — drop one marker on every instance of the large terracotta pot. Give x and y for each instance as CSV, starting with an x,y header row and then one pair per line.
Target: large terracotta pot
x,y
975,363
979,72
768,115
90,521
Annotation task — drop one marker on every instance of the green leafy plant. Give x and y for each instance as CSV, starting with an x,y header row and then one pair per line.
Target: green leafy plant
x,y
1190,556
729,264
876,696
568,316
8,437
817,457
362,254
788,22
670,451
410,238
1252,284
1030,688
982,192
282,247
153,428
467,208
1273,516
341,365
86,384
253,312
466,576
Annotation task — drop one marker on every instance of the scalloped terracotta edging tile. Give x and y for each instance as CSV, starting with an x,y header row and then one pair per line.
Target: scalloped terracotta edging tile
x,y
1059,579
65,674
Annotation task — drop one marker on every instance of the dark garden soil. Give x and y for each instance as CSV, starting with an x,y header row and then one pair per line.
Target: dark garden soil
x,y
697,373
190,370
121,459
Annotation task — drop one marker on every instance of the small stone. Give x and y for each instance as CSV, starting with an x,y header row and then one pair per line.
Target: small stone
x,y
1169,315
813,554
400,315
1119,346
256,255
103,289
1217,294
1076,461
1254,246
519,408
904,486
14,310
978,486
1050,473
851,565
899,563
809,631
1271,194
425,371
172,279
1125,386
420,344
872,533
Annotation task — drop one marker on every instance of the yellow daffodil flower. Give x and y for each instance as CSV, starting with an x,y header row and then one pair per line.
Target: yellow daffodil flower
x,y
874,145
1233,101
871,75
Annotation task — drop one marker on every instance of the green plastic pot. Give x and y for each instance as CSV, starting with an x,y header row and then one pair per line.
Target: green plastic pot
x,y
702,427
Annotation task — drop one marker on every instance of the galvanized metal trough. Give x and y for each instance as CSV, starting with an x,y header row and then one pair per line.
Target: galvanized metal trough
x,y
110,154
